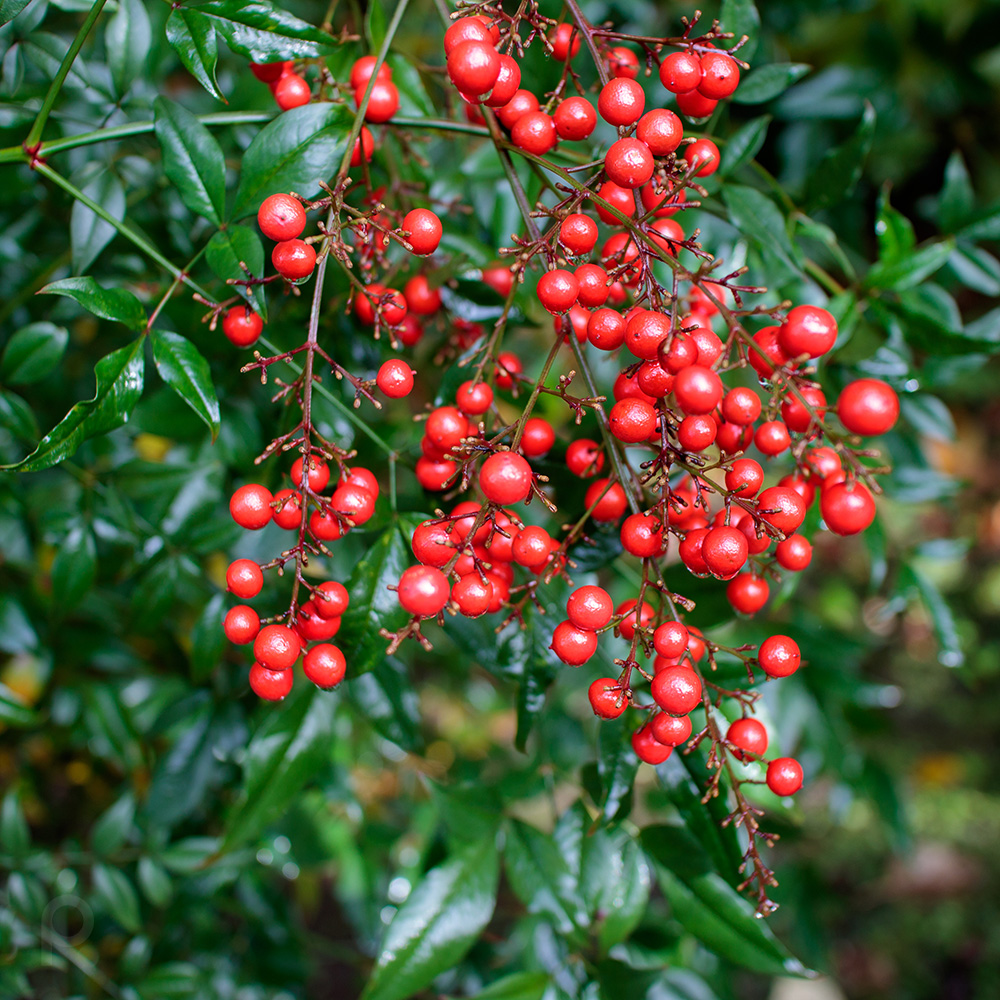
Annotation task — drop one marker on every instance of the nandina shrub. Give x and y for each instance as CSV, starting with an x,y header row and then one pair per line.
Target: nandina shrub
x,y
536,402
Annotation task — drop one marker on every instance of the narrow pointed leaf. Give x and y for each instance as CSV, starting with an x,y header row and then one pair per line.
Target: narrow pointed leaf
x,y
192,36
840,170
116,304
32,353
183,368
89,234
768,82
226,250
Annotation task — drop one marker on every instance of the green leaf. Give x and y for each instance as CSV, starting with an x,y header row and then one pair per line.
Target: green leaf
x,y
615,881
767,82
437,924
116,304
127,42
88,233
413,96
285,753
262,32
385,697
986,227
75,568
15,837
154,882
183,368
373,605
32,353
517,986
976,269
951,654
957,201
375,24
538,874
17,417
744,144
111,831
9,9
208,641
840,169
192,160
757,217
226,249
13,711
894,232
294,152
912,269
119,386
741,17
711,909
117,896
193,38
16,632
929,415
617,765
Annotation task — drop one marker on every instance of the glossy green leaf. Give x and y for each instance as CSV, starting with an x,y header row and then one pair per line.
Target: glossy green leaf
x,y
976,268
617,765
438,923
744,144
183,368
113,827
192,160
741,17
711,909
17,417
154,881
912,269
375,24
9,9
262,31
128,38
373,606
227,249
208,641
294,152
88,233
386,698
894,232
32,353
517,986
767,82
757,217
957,200
615,884
116,304
839,171
119,386
942,617
117,896
75,568
286,752
15,837
193,38
413,96
928,414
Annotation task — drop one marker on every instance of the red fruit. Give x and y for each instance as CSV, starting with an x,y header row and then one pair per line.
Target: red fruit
x,y
766,354
330,599
784,776
724,550
695,105
779,656
629,163
507,82
474,67
534,132
618,197
420,297
395,378
250,506
681,72
647,748
242,624
365,478
671,639
446,427
608,501
388,303
425,230
632,420
720,75
522,103
575,118
807,330
281,217
795,414
670,730
803,486
772,437
465,29
642,535
645,331
361,71
473,595
431,543
741,406
847,508
747,593
794,553
697,389
782,508
594,288
573,645
607,698
288,509
312,627
749,736
532,546
423,591
325,666
557,290
627,625
589,607
565,40
584,458
660,130
537,438
732,438
623,62
293,259
474,398
868,407
505,478
383,102
271,685
654,379
662,203
690,551
242,326
696,433
268,72
702,156
621,101
276,647
319,473
291,91
507,367
578,233
244,578
745,477
756,543
677,690
354,502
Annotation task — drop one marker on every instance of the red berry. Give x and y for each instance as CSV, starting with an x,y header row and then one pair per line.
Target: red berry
x,y
244,578
473,595
474,398
671,639
654,379
642,535
594,288
807,330
327,527
621,101
565,39
319,473
578,234
589,608
365,478
779,656
242,326
741,405
423,590
532,547
766,354
575,118
647,748
557,290
724,550
670,730
794,553
291,91
361,71
608,501
745,477
702,156
848,508
311,627
584,458
271,685
623,62
446,427
383,101
288,509
627,626
629,163
632,420
424,229
618,197
697,389
506,85
784,776
681,72
508,365
747,593
696,433
660,130
241,624
276,647
281,217
431,543
537,438
782,508
695,105
607,698
293,259
324,665
772,437
388,303
868,407
534,132
250,506
573,645
720,75
395,378
796,416
664,202
505,478
465,29
645,331
331,599
268,72
677,690
749,736
522,103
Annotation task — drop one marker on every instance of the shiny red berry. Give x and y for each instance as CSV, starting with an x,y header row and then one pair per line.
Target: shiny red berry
x,y
779,656
677,690
294,259
607,698
241,624
573,645
423,590
250,506
680,72
784,776
868,407
749,737
424,229
271,685
505,478
621,101
281,217
395,378
589,607
324,665
244,578
242,326
276,647
575,119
